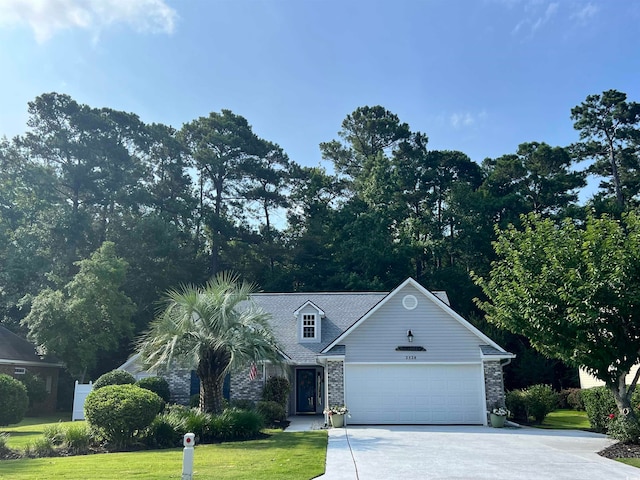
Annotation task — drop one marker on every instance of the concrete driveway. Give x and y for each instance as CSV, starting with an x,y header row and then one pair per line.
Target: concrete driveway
x,y
468,452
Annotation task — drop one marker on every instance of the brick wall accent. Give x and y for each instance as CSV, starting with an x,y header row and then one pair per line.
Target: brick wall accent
x,y
493,384
335,387
242,388
179,380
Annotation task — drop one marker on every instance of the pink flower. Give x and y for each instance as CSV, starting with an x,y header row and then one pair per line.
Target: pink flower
x,y
612,416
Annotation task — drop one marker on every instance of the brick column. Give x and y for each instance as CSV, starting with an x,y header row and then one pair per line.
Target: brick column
x,y
335,374
493,384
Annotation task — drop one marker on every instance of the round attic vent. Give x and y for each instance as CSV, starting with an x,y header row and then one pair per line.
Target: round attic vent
x,y
409,302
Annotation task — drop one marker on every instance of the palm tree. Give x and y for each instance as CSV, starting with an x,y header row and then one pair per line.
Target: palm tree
x,y
208,329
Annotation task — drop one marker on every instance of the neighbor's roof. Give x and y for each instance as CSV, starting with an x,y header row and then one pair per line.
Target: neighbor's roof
x,y
15,350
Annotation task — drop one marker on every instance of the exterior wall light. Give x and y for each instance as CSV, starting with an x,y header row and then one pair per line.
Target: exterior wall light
x,y
409,336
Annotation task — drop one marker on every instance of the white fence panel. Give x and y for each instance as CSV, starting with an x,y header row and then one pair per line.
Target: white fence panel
x,y
79,396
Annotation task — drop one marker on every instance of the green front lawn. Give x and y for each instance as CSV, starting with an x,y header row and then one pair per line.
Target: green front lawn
x,y
283,455
566,420
31,428
634,462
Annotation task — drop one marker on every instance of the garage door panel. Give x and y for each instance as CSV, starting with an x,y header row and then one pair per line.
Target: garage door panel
x,y
414,394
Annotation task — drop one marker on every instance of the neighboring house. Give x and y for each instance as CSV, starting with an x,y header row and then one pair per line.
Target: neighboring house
x,y
19,357
587,380
403,357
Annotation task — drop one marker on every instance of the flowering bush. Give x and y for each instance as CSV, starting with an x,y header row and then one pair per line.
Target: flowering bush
x,y
336,410
503,412
623,428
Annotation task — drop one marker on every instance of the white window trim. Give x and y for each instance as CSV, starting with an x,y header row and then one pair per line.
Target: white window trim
x,y
314,317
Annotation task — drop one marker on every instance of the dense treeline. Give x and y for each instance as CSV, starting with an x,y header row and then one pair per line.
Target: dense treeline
x,y
98,207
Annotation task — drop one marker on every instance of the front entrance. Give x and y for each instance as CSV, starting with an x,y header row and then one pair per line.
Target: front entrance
x,y
306,390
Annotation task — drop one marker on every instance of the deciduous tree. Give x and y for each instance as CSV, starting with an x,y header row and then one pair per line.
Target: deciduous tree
x,y
573,291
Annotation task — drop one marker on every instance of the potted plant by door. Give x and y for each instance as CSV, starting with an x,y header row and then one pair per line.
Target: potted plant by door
x,y
499,416
336,415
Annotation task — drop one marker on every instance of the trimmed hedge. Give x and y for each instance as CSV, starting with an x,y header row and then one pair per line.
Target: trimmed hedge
x,y
599,404
157,385
118,412
114,377
605,417
14,400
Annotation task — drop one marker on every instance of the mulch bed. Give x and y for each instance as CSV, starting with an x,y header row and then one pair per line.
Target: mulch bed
x,y
621,450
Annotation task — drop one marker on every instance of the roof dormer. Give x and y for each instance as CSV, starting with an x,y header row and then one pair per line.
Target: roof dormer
x,y
309,324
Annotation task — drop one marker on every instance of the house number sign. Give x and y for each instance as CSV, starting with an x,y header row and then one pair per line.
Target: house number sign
x,y
412,348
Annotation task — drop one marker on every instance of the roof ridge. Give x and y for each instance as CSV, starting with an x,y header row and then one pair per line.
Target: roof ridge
x,y
318,293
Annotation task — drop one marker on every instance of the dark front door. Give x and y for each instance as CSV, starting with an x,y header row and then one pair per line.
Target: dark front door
x,y
306,390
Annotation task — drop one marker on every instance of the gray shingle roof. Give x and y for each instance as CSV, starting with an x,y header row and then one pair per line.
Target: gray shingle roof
x,y
341,309
14,348
489,350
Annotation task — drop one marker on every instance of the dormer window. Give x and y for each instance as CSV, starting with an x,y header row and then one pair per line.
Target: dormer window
x,y
308,326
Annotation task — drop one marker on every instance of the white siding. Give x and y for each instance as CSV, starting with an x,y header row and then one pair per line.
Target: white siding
x,y
445,339
588,381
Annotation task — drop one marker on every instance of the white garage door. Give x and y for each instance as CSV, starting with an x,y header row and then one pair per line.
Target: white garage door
x,y
414,394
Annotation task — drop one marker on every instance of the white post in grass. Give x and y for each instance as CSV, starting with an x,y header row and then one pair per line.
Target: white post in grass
x,y
187,456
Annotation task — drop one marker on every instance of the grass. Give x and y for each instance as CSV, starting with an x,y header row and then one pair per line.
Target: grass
x,y
566,420
31,428
634,462
283,455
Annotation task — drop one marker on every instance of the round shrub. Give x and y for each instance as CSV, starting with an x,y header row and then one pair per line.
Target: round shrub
x,y
157,385
117,412
114,377
276,389
272,412
540,401
574,399
14,400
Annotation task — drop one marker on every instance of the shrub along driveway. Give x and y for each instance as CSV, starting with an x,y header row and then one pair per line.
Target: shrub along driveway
x,y
465,452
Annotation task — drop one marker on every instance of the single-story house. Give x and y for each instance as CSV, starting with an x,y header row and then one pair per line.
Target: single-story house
x,y
19,357
400,357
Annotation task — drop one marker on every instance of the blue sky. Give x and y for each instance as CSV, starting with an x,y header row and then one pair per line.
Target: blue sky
x,y
478,76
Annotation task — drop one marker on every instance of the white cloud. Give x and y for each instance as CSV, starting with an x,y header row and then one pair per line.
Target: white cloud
x,y
585,13
466,119
46,17
535,16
